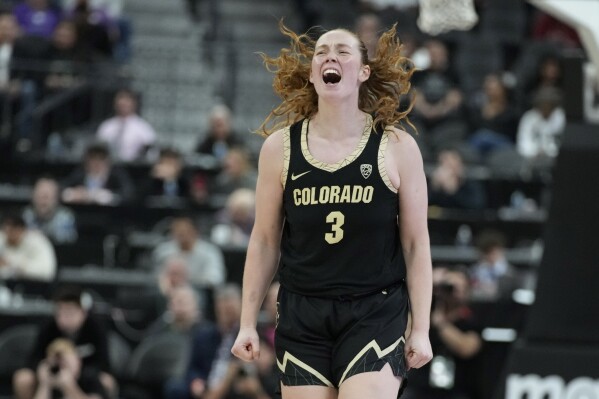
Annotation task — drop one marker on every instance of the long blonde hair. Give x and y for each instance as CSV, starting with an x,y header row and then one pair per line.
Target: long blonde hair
x,y
390,74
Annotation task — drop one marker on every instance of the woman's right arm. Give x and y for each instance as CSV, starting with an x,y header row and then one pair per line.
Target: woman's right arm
x,y
263,248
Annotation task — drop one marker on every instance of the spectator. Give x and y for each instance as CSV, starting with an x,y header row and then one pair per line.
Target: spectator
x,y
257,380
19,79
37,17
368,28
61,372
92,28
548,72
455,337
128,135
97,181
449,186
205,260
546,27
494,122
66,98
46,213
438,98
238,172
174,274
71,321
182,315
211,349
540,128
167,178
25,254
269,315
236,221
9,33
492,277
220,137
309,12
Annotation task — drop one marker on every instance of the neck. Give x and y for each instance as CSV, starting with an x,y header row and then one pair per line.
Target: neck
x,y
339,120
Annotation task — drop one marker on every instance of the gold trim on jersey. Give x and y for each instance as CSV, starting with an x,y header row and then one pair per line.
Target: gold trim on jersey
x,y
381,162
347,160
288,357
379,352
286,154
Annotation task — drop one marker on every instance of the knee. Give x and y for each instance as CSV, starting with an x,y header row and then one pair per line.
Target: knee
x,y
23,382
109,384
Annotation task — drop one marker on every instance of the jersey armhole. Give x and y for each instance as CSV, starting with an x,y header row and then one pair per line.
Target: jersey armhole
x,y
286,154
381,160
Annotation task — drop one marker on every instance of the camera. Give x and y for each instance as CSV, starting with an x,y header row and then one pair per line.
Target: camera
x,y
444,289
55,367
442,293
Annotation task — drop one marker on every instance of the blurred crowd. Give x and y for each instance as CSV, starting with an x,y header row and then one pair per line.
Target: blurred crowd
x,y
51,53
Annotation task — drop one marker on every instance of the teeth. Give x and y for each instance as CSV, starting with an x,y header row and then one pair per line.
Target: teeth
x,y
326,71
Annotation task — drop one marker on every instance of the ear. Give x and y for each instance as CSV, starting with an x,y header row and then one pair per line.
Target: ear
x,y
311,78
364,73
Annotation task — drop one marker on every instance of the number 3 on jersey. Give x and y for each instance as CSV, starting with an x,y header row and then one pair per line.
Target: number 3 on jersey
x,y
336,219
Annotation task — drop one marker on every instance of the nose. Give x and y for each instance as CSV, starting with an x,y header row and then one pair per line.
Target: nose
x,y
331,57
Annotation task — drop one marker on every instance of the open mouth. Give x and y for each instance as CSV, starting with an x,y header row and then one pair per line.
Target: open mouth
x,y
331,76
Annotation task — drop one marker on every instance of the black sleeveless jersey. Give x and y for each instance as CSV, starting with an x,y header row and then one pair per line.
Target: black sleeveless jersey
x,y
341,235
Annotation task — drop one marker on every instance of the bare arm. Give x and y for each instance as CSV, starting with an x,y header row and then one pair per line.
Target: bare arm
x,y
264,245
413,205
464,344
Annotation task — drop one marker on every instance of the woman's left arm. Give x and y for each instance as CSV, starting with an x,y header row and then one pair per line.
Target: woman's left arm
x,y
413,225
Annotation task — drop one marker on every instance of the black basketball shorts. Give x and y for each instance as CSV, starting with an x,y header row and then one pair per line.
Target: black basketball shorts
x,y
324,341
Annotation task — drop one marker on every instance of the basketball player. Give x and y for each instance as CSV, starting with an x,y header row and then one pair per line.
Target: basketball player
x,y
341,200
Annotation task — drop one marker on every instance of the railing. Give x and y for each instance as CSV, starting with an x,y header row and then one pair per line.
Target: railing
x,y
58,95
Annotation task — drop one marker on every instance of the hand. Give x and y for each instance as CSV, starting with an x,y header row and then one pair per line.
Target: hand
x,y
246,346
197,387
43,373
438,317
65,378
418,350
75,194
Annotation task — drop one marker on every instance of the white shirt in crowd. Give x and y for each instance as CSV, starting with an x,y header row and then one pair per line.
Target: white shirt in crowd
x,y
537,135
127,136
32,259
5,56
205,261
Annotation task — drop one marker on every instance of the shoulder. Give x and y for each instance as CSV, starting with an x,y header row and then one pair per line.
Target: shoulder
x,y
36,238
275,142
107,123
204,246
273,148
401,144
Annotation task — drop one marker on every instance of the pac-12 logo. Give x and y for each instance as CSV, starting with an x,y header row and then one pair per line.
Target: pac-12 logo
x,y
366,170
532,386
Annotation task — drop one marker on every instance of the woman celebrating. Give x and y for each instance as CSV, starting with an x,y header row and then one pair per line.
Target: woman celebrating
x,y
342,205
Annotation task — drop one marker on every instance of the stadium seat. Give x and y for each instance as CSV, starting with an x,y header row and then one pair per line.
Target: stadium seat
x,y
158,358
15,345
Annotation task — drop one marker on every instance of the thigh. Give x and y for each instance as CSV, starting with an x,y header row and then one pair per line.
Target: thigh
x,y
302,344
308,392
381,384
376,337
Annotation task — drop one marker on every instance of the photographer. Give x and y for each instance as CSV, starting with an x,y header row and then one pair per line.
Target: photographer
x,y
456,342
71,320
60,375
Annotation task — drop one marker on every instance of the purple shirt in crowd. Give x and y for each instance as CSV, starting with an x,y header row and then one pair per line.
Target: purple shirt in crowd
x,y
36,22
